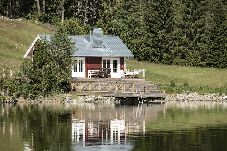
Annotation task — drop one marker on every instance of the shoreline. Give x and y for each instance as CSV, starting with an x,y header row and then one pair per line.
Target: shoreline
x,y
194,96
68,98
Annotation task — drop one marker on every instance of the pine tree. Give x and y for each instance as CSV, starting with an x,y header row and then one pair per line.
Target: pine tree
x,y
159,20
217,25
190,33
85,10
73,26
136,35
125,19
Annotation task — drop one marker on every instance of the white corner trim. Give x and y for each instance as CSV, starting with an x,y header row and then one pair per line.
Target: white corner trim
x,y
31,46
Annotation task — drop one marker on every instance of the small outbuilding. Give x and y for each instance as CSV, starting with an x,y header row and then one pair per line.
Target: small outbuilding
x,y
96,55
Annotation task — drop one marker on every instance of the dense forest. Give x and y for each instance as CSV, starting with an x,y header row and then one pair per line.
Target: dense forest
x,y
182,32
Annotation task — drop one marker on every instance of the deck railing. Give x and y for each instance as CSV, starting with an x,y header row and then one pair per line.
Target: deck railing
x,y
102,86
135,73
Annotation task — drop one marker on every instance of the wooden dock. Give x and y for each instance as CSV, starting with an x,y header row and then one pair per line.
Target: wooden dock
x,y
119,88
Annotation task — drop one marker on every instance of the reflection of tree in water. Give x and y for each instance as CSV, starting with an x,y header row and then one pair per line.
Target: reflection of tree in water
x,y
42,128
45,128
202,139
186,128
10,139
54,130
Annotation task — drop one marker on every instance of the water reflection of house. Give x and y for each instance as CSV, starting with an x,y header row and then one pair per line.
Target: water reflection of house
x,y
117,130
78,130
110,125
98,132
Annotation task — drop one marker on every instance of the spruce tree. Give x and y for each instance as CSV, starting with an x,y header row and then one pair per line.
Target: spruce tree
x,y
190,33
159,20
217,25
136,34
125,19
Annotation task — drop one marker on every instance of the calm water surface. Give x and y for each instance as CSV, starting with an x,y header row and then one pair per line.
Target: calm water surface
x,y
88,127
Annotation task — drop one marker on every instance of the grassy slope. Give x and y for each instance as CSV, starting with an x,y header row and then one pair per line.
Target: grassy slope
x,y
15,38
188,78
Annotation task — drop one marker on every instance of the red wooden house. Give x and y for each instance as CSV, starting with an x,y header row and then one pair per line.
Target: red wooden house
x,y
96,55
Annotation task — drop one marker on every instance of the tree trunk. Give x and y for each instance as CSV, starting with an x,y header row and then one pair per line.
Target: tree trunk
x,y
85,12
38,7
62,12
44,6
10,9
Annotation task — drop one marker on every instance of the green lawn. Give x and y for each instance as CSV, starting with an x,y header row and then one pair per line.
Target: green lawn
x,y
17,35
177,78
15,38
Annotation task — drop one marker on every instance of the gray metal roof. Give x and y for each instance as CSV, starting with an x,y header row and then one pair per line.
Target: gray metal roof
x,y
113,46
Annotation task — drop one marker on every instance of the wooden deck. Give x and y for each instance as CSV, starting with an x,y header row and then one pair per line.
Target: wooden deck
x,y
118,88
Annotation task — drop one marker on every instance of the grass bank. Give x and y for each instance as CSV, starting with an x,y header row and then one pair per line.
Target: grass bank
x,y
176,79
15,38
17,35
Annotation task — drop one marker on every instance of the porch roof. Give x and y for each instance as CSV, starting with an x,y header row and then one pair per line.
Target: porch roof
x,y
113,46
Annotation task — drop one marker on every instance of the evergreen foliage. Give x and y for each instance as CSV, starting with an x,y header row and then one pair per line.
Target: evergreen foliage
x,y
190,33
182,32
48,72
160,25
171,32
50,69
217,25
74,26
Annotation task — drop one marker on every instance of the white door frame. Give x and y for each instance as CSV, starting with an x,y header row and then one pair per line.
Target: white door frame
x,y
78,69
114,72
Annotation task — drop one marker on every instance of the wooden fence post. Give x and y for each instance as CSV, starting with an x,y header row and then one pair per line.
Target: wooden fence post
x,y
99,87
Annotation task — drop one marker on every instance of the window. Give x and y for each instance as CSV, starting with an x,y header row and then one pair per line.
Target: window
x,y
106,64
78,66
114,65
75,66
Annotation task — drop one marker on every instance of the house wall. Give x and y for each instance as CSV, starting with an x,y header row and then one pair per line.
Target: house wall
x,y
93,63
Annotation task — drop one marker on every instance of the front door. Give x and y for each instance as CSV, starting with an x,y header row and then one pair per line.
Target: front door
x,y
78,70
112,64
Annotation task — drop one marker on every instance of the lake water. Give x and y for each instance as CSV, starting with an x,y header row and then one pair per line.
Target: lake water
x,y
89,127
